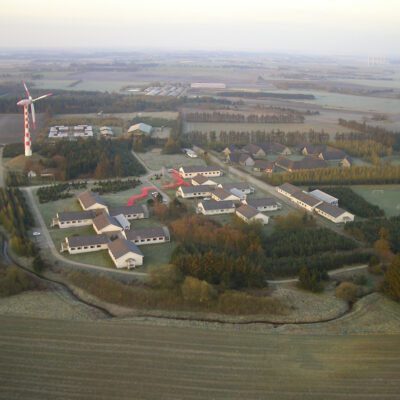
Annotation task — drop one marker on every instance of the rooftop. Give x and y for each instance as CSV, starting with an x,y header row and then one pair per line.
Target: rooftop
x,y
147,233
196,189
120,247
89,198
217,205
306,198
199,168
247,211
89,240
75,215
262,202
103,220
331,210
319,194
289,188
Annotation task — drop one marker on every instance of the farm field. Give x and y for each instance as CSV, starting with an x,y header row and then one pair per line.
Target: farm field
x,y
155,160
332,129
385,196
12,127
47,359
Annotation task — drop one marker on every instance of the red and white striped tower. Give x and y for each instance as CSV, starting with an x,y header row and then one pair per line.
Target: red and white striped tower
x,y
26,103
27,140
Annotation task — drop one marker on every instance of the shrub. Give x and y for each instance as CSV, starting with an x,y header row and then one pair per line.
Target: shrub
x,y
347,291
311,279
166,277
391,285
233,302
195,291
14,281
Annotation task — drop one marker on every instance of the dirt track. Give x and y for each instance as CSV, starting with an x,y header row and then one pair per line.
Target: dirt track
x,y
44,359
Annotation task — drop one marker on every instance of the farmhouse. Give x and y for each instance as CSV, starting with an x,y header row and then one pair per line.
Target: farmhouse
x,y
148,235
347,162
327,198
85,244
191,192
140,129
69,219
241,186
276,148
125,254
254,150
264,166
212,207
287,189
264,204
229,150
137,211
250,214
105,223
91,201
241,158
203,180
304,200
332,154
192,171
223,195
305,163
311,149
333,213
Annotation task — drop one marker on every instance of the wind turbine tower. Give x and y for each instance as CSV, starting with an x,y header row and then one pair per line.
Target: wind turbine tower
x,y
26,103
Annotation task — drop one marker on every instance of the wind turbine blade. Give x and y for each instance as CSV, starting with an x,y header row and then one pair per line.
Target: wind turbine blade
x,y
26,90
33,116
42,97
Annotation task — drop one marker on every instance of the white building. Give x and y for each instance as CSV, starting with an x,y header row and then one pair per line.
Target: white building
x,y
264,204
304,200
141,129
148,235
222,195
191,192
137,211
241,186
334,213
327,198
250,214
72,219
85,244
287,189
203,180
125,254
104,223
212,207
192,171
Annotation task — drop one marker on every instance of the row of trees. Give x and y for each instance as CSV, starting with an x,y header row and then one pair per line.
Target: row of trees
x,y
58,191
353,201
274,95
381,174
235,117
114,186
369,132
369,150
16,220
221,139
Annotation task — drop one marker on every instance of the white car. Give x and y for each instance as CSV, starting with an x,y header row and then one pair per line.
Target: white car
x,y
36,233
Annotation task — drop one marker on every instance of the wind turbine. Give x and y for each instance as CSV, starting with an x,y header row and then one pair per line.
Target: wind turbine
x,y
26,103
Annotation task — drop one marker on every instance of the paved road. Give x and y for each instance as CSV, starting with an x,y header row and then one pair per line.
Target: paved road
x,y
46,244
330,273
150,173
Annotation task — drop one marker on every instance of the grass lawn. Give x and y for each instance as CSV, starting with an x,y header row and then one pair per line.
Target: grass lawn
x,y
155,160
386,197
50,209
156,255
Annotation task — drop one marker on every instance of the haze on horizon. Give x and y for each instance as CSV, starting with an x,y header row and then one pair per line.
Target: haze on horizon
x,y
358,27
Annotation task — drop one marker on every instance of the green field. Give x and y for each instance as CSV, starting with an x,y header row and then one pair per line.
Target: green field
x,y
386,197
155,160
101,360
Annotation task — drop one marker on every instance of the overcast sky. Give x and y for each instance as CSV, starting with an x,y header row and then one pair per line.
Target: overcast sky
x,y
302,26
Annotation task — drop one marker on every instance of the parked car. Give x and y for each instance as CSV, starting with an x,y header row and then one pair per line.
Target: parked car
x,y
36,233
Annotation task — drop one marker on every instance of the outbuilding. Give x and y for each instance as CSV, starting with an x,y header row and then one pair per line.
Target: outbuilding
x,y
125,254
